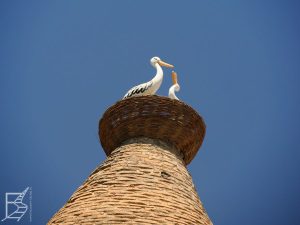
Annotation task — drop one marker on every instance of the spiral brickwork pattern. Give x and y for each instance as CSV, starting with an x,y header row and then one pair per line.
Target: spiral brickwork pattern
x,y
144,181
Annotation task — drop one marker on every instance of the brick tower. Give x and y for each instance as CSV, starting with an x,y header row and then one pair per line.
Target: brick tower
x,y
148,141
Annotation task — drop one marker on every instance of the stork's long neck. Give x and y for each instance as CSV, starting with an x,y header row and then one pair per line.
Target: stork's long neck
x,y
157,80
172,94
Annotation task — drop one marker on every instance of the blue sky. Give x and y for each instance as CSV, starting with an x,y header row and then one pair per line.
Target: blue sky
x,y
62,63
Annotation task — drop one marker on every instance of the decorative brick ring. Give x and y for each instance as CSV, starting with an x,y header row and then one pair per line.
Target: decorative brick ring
x,y
156,117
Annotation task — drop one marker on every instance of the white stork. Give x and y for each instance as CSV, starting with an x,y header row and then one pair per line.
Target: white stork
x,y
174,87
150,87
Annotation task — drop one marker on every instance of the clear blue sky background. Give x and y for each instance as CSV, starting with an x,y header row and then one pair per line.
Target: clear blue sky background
x,y
62,63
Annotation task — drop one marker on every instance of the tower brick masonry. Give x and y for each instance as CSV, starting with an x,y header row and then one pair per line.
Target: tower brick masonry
x,y
149,141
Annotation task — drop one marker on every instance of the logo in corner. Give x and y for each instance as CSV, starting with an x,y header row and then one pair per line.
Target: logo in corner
x,y
14,206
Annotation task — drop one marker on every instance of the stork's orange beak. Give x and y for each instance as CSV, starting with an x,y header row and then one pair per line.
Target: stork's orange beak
x,y
162,63
174,77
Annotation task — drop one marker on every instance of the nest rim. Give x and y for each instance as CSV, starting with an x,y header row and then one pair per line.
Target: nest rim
x,y
156,117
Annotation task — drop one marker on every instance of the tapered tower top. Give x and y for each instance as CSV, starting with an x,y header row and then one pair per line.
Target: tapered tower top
x,y
149,140
156,117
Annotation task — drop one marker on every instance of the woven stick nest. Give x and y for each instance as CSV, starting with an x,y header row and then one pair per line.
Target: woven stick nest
x,y
154,117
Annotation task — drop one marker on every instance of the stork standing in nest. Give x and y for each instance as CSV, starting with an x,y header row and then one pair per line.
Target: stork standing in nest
x,y
174,87
150,87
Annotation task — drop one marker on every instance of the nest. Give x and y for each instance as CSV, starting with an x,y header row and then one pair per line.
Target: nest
x,y
155,117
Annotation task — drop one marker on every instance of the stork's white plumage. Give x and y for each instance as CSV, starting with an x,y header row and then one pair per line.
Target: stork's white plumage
x,y
174,87
150,87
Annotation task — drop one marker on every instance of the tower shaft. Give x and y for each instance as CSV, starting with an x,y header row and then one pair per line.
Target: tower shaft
x,y
144,181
